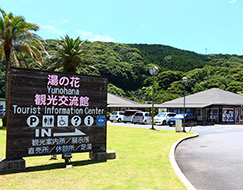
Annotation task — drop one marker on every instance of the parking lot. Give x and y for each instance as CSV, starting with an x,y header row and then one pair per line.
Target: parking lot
x,y
161,119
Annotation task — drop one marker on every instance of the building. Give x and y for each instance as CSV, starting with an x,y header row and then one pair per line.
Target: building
x,y
210,106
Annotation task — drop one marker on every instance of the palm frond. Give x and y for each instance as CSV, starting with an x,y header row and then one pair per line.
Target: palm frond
x,y
17,35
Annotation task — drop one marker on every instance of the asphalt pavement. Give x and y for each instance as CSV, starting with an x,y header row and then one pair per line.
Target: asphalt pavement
x,y
214,160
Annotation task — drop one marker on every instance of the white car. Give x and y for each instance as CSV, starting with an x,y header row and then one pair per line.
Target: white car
x,y
117,116
163,118
142,117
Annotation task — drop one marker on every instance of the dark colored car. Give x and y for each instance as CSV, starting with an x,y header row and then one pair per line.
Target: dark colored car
x,y
190,119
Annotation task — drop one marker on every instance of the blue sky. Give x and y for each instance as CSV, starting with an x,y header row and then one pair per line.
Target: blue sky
x,y
202,26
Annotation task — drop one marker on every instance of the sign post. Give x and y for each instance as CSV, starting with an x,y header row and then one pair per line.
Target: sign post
x,y
54,113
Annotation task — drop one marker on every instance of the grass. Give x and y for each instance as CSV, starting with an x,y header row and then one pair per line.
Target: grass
x,y
142,163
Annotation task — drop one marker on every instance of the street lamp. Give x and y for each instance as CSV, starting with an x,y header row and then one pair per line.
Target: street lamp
x,y
184,80
153,71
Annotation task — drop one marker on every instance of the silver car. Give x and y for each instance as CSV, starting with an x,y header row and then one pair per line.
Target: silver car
x,y
142,117
117,116
128,115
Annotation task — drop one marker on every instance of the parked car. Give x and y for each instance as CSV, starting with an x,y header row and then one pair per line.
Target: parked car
x,y
190,119
163,118
142,117
128,115
117,116
2,113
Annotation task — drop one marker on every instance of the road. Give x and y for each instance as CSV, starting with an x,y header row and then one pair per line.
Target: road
x,y
214,160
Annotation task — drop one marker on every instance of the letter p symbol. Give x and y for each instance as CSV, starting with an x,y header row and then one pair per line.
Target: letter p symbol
x,y
33,121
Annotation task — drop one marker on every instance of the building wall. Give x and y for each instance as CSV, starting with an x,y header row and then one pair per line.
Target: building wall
x,y
214,114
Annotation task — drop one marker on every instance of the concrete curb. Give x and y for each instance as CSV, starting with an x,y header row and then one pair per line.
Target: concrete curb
x,y
175,166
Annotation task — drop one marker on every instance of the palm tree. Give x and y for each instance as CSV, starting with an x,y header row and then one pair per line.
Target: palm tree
x,y
17,40
69,55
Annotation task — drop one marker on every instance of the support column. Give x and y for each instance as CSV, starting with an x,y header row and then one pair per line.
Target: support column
x,y
204,114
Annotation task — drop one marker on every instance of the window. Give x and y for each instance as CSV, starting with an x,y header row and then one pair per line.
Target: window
x,y
129,113
171,115
139,114
228,114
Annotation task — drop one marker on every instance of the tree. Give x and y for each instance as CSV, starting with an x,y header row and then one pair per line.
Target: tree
x,y
235,86
69,55
16,40
167,77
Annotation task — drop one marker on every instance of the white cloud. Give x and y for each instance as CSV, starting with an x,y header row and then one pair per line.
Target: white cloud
x,y
232,1
95,37
54,30
65,21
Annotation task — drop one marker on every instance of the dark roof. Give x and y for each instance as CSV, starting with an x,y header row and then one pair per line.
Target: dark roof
x,y
213,96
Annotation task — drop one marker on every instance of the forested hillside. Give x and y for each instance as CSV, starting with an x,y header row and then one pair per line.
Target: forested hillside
x,y
126,66
169,58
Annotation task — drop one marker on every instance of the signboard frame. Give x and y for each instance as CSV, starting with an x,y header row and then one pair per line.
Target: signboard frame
x,y
54,112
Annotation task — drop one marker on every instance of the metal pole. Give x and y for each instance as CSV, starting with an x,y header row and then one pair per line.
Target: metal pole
x,y
153,106
184,120
153,71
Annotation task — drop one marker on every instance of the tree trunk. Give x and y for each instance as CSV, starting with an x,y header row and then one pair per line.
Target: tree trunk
x,y
8,63
72,69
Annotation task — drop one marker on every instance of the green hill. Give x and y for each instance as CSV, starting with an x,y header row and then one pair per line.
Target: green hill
x,y
126,66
